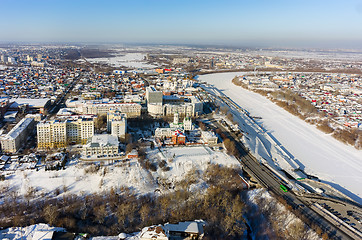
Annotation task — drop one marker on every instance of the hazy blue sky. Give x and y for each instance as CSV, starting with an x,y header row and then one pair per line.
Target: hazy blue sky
x,y
307,23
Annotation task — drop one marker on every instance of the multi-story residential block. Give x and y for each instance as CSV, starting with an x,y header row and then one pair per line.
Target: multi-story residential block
x,y
58,134
186,109
78,131
193,107
16,138
117,123
155,109
52,134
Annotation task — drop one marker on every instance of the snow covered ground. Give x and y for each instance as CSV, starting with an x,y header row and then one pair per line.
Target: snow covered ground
x,y
74,179
183,160
316,153
132,60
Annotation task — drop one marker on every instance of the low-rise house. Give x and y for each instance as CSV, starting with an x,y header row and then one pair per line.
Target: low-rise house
x,y
4,160
186,230
209,137
132,154
153,233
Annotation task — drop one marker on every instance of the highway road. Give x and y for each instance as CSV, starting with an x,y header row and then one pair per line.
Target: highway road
x,y
272,182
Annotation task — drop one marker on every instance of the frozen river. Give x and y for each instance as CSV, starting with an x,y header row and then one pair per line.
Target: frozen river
x,y
318,154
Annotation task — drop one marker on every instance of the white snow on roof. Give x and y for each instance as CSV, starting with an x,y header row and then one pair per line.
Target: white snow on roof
x,y
101,140
207,134
43,235
32,102
18,128
65,111
4,158
153,232
9,114
37,231
187,227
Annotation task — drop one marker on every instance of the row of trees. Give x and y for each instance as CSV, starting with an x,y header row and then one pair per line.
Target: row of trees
x,y
120,210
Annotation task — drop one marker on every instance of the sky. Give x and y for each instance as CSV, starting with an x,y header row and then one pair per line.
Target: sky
x,y
264,23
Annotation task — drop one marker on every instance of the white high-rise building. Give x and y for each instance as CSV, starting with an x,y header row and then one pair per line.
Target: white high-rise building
x,y
117,123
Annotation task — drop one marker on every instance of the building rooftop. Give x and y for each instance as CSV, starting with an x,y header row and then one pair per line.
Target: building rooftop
x,y
32,102
207,134
186,227
18,128
102,140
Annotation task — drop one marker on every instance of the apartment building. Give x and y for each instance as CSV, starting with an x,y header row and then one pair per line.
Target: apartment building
x,y
16,138
193,107
117,123
186,109
130,109
78,131
58,134
154,96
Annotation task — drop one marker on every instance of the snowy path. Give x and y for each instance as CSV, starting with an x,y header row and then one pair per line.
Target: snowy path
x,y
321,155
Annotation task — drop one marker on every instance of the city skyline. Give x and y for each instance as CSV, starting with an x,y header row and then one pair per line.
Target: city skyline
x,y
330,24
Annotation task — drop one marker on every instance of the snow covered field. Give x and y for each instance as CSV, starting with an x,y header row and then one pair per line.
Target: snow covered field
x,y
74,179
315,152
132,60
182,160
